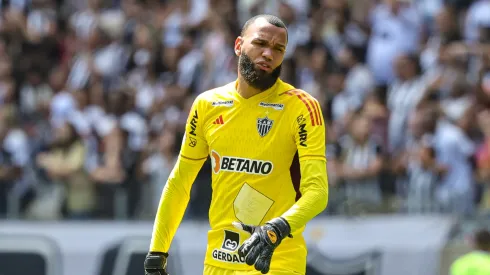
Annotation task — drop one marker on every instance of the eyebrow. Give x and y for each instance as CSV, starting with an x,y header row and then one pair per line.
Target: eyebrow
x,y
278,45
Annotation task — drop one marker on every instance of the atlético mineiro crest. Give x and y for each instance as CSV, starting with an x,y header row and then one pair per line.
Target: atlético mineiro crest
x,y
264,125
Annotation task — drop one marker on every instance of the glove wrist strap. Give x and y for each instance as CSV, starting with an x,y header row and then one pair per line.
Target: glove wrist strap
x,y
158,253
281,225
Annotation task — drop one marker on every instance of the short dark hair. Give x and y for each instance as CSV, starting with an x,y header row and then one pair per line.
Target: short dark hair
x,y
271,19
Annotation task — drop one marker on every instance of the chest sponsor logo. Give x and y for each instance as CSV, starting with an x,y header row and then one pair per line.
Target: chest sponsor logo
x,y
302,132
227,103
275,106
231,241
240,165
193,124
224,256
264,125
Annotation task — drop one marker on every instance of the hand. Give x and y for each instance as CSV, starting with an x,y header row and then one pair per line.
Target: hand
x,y
156,263
257,250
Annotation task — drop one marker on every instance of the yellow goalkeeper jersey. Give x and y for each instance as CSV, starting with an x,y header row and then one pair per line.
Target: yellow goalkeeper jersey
x,y
268,160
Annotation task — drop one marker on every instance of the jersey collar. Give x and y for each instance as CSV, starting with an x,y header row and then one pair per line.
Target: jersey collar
x,y
257,97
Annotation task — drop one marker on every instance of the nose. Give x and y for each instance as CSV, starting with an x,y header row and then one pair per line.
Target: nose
x,y
267,54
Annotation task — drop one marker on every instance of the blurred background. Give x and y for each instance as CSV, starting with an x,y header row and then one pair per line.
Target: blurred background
x,y
94,95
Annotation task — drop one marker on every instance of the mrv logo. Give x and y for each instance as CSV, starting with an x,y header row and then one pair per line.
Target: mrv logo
x,y
193,124
240,165
303,134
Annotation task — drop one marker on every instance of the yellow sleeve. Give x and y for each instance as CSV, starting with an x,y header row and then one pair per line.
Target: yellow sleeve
x,y
176,194
194,144
173,203
314,194
310,140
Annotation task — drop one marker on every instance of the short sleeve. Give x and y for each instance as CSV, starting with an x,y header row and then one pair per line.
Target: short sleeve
x,y
194,144
309,127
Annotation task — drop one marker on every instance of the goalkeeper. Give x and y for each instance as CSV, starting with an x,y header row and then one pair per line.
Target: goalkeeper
x,y
266,141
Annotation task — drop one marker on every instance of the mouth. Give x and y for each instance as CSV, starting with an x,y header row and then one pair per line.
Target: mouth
x,y
264,66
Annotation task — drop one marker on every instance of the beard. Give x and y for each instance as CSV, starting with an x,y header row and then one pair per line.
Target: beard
x,y
257,78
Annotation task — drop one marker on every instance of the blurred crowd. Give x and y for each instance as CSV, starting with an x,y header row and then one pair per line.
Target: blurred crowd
x,y
94,96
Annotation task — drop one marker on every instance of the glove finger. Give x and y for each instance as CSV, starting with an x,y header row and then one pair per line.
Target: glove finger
x,y
264,260
254,253
247,245
245,227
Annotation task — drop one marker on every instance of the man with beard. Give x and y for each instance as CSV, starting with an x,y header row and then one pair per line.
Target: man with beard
x,y
266,141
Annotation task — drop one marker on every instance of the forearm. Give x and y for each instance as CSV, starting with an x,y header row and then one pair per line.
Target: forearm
x,y
358,174
173,203
314,190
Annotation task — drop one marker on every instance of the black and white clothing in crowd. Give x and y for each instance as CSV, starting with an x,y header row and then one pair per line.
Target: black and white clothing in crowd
x,y
358,160
422,179
403,97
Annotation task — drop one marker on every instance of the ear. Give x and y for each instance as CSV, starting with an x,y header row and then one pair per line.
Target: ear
x,y
238,45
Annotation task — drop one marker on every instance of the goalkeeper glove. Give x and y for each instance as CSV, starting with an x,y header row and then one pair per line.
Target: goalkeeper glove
x,y
156,263
257,250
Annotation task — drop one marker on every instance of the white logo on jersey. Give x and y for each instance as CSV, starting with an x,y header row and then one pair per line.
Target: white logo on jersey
x,y
231,245
223,256
240,165
227,103
231,240
276,106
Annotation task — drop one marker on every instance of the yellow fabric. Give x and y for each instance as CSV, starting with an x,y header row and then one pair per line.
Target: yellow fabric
x,y
314,190
474,263
174,200
251,177
212,270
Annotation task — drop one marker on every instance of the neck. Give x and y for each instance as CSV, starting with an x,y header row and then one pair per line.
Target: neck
x,y
245,90
360,141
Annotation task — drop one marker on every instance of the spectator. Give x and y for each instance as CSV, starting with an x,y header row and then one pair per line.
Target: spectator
x,y
358,159
340,30
395,30
422,179
454,149
359,82
35,95
160,162
14,157
446,31
63,163
403,97
342,105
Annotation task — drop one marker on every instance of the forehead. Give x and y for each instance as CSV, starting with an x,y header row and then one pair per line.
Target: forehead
x,y
260,28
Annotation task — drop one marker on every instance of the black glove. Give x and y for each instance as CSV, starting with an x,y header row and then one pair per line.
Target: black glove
x,y
156,263
258,249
